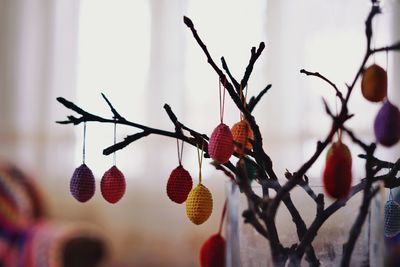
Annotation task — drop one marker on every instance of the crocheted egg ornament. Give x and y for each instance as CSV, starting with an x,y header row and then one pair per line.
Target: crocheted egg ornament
x,y
82,185
179,185
220,146
392,218
242,133
249,168
212,252
374,83
387,125
113,185
337,174
199,204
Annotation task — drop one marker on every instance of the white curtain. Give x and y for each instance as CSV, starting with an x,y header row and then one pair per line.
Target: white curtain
x,y
37,63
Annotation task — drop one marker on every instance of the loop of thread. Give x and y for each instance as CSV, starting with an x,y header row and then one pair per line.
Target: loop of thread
x,y
243,99
180,151
390,194
115,141
387,60
336,110
221,101
200,159
84,143
221,223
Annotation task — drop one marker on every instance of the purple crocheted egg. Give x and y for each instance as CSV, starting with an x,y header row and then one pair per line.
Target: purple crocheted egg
x,y
82,185
387,125
220,147
179,185
113,185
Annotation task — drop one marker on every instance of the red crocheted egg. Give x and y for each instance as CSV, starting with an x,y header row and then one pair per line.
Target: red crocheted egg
x,y
82,184
113,185
179,185
374,83
337,174
387,125
212,252
220,146
242,133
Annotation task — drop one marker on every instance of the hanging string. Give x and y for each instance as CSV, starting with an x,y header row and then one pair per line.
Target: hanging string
x,y
241,100
221,101
390,194
115,141
180,151
221,223
84,143
387,60
336,108
200,158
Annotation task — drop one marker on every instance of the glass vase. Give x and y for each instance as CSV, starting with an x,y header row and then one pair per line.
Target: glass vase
x,y
247,248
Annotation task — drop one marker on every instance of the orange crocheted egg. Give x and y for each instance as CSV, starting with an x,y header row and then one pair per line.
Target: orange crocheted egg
x,y
212,252
337,174
220,146
242,133
179,185
374,83
113,185
199,204
82,184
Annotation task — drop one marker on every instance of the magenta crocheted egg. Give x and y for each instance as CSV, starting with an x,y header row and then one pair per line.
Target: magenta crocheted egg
x,y
113,185
82,185
179,185
220,146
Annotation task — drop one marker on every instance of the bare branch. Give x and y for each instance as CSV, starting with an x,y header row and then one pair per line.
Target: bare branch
x,y
254,100
317,74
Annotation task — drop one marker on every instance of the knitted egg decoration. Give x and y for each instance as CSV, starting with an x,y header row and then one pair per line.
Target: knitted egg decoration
x,y
249,167
391,218
199,204
82,184
387,125
212,252
220,146
242,133
179,185
374,83
113,185
337,174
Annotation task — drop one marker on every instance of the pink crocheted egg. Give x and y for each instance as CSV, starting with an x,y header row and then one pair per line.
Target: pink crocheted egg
x,y
242,133
82,185
179,185
113,185
212,252
220,146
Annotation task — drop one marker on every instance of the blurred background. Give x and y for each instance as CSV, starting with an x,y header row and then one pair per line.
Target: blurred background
x,y
141,55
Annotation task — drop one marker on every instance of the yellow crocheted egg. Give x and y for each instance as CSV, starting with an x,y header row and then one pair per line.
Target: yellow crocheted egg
x,y
199,204
242,133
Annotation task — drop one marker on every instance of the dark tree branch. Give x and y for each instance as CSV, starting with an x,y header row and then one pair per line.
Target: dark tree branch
x,y
117,116
233,80
128,140
317,74
254,100
255,54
